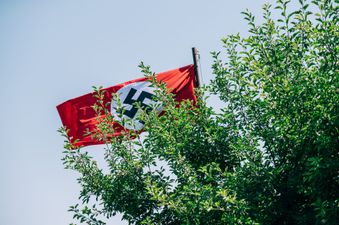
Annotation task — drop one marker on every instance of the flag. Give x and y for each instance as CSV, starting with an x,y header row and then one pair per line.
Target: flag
x,y
78,115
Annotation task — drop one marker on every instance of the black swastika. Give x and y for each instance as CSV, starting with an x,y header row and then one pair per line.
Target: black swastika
x,y
128,100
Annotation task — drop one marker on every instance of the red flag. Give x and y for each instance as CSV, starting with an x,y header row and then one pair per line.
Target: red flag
x,y
77,114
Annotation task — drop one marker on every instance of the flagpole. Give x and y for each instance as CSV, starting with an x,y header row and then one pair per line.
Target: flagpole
x,y
196,57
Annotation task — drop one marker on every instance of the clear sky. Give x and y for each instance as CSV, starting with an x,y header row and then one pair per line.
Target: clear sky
x,y
51,51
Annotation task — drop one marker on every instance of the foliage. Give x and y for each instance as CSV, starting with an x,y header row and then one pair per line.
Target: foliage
x,y
281,86
269,157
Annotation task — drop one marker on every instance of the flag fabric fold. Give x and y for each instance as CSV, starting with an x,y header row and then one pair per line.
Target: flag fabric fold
x,y
78,115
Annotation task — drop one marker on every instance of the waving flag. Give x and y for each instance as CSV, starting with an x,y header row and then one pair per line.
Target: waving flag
x,y
78,115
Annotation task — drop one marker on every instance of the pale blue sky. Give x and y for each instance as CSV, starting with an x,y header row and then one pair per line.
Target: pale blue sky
x,y
51,51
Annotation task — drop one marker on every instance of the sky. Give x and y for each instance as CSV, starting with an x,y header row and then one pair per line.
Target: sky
x,y
52,51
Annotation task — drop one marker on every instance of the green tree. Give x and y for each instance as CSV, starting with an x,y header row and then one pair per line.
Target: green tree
x,y
269,157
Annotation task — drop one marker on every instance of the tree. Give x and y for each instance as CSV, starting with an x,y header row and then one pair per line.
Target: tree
x,y
270,156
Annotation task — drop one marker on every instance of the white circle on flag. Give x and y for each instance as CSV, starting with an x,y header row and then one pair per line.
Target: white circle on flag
x,y
135,93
